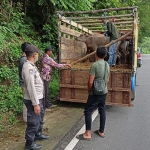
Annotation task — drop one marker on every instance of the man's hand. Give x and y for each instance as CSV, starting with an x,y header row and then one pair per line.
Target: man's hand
x,y
37,109
69,65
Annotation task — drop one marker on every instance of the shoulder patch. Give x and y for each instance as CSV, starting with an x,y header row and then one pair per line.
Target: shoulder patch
x,y
31,71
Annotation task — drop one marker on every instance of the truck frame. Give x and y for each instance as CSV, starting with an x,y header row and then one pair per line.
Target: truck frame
x,y
73,81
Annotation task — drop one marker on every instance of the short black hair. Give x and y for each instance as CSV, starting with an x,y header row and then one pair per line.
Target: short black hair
x,y
29,54
23,46
48,48
101,51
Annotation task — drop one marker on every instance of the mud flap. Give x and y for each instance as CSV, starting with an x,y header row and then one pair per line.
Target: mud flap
x,y
133,82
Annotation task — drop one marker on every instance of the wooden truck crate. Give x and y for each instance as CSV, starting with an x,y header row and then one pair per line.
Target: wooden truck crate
x,y
73,86
73,82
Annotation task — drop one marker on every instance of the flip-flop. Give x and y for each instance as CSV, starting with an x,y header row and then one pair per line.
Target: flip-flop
x,y
81,137
96,132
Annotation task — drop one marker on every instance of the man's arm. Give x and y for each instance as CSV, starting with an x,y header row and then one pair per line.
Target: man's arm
x,y
51,62
108,77
90,82
109,28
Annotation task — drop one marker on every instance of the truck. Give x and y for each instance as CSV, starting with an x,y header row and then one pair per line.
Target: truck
x,y
73,81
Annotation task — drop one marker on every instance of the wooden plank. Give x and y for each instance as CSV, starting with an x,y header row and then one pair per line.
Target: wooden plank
x,y
73,83
98,11
100,28
85,100
69,31
116,23
73,100
62,92
59,40
121,30
126,97
64,35
71,50
100,21
118,104
118,28
135,39
73,86
113,79
85,87
99,17
74,24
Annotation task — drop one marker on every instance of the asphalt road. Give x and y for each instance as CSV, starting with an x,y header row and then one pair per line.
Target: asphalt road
x,y
127,128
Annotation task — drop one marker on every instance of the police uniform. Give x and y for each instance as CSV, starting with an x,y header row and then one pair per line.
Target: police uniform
x,y
33,95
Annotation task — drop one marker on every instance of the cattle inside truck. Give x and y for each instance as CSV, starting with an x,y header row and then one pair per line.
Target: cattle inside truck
x,y
73,81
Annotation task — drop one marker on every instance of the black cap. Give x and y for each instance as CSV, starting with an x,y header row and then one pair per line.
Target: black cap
x,y
32,48
48,48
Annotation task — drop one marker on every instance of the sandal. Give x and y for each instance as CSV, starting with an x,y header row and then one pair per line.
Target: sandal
x,y
97,132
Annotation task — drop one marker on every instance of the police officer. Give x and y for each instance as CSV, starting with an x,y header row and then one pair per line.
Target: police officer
x,y
33,99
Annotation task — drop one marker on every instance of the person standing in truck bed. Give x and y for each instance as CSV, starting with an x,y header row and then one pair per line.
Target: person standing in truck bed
x,y
113,33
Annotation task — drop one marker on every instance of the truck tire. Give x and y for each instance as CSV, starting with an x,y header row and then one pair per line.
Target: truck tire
x,y
132,95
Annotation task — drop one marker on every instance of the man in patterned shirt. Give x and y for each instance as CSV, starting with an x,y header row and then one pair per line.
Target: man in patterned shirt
x,y
47,64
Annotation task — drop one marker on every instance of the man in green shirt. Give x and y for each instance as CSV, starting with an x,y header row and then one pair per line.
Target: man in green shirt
x,y
97,70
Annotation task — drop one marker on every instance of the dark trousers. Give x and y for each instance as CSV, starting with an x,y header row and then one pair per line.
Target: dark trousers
x,y
93,102
34,121
46,102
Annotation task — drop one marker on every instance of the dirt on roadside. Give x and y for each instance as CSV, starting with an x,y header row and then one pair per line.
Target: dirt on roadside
x,y
57,123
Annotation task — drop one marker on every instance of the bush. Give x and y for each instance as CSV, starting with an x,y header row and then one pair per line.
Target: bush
x,y
12,34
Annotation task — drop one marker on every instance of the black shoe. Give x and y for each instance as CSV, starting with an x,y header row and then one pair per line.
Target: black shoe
x,y
39,136
33,146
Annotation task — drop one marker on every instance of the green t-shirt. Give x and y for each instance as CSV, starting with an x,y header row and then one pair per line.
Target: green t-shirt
x,y
98,70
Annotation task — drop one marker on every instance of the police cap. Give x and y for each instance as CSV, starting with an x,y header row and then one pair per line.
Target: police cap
x,y
32,48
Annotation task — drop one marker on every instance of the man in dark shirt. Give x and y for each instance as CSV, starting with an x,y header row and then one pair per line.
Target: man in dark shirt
x,y
113,33
22,59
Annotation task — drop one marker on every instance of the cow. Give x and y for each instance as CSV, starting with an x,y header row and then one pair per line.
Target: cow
x,y
124,47
129,52
93,42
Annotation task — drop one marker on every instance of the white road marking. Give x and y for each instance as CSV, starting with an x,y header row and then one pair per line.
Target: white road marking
x,y
74,141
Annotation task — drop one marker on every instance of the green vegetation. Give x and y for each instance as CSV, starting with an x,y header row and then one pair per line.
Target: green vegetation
x,y
36,23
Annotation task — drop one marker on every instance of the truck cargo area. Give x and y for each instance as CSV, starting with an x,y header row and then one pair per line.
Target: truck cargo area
x,y
73,81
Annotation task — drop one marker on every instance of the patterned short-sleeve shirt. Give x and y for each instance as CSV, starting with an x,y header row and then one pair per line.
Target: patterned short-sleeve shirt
x,y
47,65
